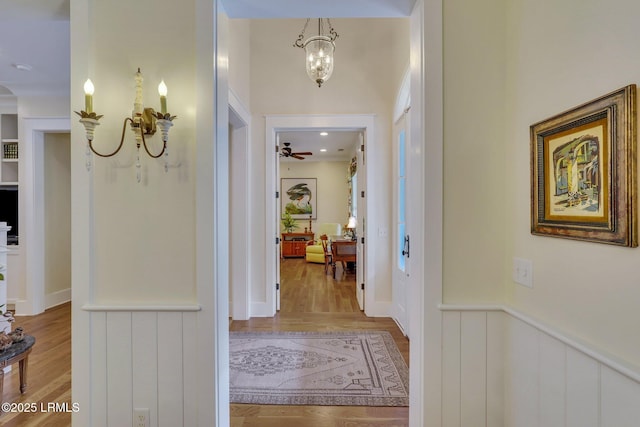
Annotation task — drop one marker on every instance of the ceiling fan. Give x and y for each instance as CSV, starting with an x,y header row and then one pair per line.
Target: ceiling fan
x,y
287,152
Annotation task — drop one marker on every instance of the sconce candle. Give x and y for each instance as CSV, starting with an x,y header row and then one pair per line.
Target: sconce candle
x,y
88,96
137,104
162,91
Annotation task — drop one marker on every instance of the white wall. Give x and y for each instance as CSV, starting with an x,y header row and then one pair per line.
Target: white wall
x,y
144,282
504,72
474,180
240,59
587,290
332,189
353,89
43,106
152,219
57,215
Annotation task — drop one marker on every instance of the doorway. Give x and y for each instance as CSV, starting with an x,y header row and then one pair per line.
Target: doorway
x,y
315,200
363,124
32,196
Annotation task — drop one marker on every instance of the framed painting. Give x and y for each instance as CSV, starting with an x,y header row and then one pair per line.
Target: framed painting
x,y
583,172
299,197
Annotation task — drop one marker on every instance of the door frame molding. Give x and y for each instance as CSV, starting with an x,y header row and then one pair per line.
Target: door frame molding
x,y
31,205
279,123
240,291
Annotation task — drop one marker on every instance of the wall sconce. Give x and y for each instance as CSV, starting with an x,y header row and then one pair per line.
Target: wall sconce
x,y
318,52
143,121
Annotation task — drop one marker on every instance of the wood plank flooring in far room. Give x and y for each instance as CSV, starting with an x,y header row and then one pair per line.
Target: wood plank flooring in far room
x,y
313,301
49,371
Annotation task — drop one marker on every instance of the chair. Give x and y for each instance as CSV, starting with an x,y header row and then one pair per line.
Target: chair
x,y
324,240
314,251
343,251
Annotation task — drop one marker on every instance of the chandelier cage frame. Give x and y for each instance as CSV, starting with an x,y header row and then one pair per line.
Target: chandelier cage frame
x,y
319,50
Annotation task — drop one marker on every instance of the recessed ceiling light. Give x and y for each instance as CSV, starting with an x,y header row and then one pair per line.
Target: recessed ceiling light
x,y
23,67
324,133
324,150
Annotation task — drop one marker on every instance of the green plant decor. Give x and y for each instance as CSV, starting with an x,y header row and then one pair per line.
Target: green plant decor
x,y
288,222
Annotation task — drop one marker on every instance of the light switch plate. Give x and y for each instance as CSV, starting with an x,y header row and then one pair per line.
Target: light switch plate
x,y
523,272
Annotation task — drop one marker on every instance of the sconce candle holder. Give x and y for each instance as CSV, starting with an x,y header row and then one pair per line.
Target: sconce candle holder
x,y
142,122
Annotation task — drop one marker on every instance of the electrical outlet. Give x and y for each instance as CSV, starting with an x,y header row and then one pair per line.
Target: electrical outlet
x,y
141,417
523,272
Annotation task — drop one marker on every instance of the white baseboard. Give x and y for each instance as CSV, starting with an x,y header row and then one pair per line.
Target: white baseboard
x,y
378,309
261,309
57,298
21,307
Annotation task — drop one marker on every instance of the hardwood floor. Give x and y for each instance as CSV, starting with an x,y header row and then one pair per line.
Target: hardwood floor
x,y
49,371
313,301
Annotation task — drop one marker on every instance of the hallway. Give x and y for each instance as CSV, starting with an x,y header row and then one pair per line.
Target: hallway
x,y
314,301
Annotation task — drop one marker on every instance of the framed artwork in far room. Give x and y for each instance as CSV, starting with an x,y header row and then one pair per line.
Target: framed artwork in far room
x,y
583,172
299,197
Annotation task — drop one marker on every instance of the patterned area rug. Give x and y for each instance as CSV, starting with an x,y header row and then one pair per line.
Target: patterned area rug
x,y
317,368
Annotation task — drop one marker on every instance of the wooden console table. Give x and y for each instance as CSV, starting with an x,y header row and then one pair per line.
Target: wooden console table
x,y
18,352
295,244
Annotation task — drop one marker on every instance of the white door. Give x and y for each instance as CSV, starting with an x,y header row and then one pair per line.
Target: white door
x,y
402,242
278,235
359,202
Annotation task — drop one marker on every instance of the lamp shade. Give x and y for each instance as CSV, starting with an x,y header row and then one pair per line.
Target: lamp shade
x,y
352,222
319,58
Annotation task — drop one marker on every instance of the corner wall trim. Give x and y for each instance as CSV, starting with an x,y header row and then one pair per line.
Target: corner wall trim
x,y
620,366
132,308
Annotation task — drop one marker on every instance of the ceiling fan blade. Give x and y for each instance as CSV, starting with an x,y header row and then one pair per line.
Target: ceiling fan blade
x,y
304,153
295,156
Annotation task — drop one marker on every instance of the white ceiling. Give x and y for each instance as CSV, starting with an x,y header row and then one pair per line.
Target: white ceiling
x,y
318,9
34,33
340,144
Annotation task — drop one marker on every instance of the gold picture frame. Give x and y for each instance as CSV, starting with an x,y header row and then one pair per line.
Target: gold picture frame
x,y
583,172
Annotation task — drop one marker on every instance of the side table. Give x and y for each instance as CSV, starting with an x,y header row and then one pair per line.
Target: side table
x,y
18,352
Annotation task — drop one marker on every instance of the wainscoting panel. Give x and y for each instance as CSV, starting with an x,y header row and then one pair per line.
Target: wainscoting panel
x,y
144,359
495,368
145,362
170,385
99,369
620,399
119,370
582,385
503,369
472,371
552,378
451,369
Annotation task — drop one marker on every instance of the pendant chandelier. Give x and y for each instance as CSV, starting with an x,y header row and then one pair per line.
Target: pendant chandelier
x,y
318,51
